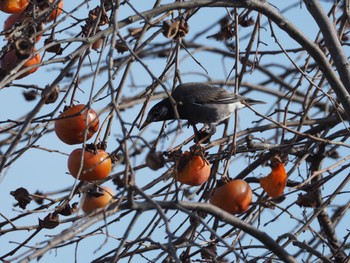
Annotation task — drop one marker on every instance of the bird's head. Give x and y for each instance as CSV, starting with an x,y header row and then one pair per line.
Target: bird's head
x,y
162,111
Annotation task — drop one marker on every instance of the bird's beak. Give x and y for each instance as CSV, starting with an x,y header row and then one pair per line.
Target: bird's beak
x,y
144,125
253,102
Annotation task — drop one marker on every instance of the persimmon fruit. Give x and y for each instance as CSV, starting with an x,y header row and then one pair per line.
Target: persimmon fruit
x,y
97,199
12,20
94,164
13,6
276,181
29,30
192,169
57,11
234,197
11,59
76,121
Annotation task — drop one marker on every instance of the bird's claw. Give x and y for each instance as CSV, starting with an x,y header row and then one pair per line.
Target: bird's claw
x,y
210,129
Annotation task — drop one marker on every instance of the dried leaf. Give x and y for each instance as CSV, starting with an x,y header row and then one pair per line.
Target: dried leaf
x,y
121,47
56,48
30,95
67,210
37,197
247,22
306,200
50,221
53,96
155,160
170,29
209,252
22,196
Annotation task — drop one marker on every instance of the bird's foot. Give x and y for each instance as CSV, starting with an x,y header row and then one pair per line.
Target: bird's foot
x,y
202,137
210,129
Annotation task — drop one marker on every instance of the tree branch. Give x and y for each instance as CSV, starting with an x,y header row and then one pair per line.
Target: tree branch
x,y
331,39
264,238
273,14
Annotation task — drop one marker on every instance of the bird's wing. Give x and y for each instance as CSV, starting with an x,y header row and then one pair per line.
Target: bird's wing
x,y
200,93
223,97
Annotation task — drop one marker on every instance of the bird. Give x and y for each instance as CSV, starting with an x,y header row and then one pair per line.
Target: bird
x,y
198,103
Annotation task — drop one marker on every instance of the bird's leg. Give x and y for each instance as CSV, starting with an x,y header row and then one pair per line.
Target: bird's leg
x,y
203,136
196,133
200,136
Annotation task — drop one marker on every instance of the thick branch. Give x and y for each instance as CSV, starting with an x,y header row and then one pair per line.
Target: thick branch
x,y
264,238
331,39
323,216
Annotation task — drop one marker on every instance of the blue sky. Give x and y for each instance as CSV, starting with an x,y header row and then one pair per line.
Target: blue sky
x,y
44,166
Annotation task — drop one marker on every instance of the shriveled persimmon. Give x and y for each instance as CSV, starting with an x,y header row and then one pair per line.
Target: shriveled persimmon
x,y
76,122
13,6
276,181
11,59
89,165
97,198
192,168
234,197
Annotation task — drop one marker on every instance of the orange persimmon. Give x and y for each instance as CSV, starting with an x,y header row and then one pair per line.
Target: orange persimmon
x,y
192,169
13,6
74,122
92,165
29,28
12,20
276,181
57,11
97,198
234,197
10,60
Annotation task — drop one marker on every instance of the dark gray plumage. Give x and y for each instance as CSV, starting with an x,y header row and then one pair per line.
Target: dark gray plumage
x,y
198,103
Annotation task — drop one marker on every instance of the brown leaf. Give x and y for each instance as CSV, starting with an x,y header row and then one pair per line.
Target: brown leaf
x,y
155,160
29,95
208,252
67,210
170,28
118,181
306,200
121,47
183,29
37,197
247,22
94,14
50,221
53,96
22,196
56,48
226,31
